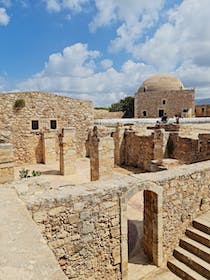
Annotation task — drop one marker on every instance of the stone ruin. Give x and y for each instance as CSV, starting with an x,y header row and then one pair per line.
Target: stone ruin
x,y
86,226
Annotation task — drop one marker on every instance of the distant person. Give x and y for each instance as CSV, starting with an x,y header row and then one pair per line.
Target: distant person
x,y
177,119
164,118
157,125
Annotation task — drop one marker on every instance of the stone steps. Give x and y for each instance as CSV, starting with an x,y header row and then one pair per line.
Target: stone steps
x,y
194,262
183,271
191,260
201,225
198,236
196,248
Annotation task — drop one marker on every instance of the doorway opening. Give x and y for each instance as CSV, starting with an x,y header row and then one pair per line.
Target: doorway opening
x,y
161,113
143,229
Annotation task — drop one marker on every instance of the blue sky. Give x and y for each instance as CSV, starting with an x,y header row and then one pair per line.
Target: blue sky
x,y
102,50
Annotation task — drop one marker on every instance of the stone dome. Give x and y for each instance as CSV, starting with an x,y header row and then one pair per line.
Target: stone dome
x,y
161,82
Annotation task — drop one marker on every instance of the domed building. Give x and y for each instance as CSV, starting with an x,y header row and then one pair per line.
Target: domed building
x,y
161,94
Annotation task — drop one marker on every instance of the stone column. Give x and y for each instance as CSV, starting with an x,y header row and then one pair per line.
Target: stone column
x,y
94,154
6,163
118,137
106,156
159,147
49,147
101,155
68,153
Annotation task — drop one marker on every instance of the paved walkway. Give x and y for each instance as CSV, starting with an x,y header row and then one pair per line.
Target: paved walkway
x,y
24,255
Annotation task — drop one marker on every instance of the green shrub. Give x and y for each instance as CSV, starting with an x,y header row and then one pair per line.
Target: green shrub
x,y
24,173
36,173
19,104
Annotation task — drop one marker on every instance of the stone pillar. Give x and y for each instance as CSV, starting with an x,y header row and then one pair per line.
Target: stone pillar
x,y
151,226
118,137
6,163
94,154
68,153
101,155
49,147
106,156
159,147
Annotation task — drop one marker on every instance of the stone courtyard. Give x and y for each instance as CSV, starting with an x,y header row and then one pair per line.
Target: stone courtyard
x,y
84,199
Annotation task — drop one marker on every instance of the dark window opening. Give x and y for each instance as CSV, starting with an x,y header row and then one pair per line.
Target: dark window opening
x,y
161,113
164,101
203,110
35,125
53,124
144,113
185,110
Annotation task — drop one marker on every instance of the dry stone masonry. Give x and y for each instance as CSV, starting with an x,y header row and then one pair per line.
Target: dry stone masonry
x,y
35,125
86,225
6,163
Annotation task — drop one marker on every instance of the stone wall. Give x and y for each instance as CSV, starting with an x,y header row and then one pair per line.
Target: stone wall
x,y
6,163
189,150
86,225
44,108
172,102
184,197
138,150
84,235
202,110
104,114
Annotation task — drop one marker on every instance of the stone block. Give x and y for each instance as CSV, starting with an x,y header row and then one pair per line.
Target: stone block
x,y
116,255
6,153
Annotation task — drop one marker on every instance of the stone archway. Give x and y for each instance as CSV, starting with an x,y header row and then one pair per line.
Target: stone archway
x,y
152,224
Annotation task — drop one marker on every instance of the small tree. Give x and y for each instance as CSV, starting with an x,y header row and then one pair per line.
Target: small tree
x,y
125,105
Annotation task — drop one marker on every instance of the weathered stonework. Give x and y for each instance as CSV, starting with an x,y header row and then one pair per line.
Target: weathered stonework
x,y
6,163
104,114
52,113
202,110
189,150
86,225
68,153
101,152
163,94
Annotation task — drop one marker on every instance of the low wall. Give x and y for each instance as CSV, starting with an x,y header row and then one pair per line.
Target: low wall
x,y
86,225
189,150
105,114
83,232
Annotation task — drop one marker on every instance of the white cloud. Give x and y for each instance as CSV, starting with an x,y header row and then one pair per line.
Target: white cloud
x,y
73,72
58,5
74,5
4,18
133,18
53,5
106,63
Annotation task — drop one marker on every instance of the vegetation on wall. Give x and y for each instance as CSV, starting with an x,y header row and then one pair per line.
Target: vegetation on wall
x,y
101,108
19,104
125,105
